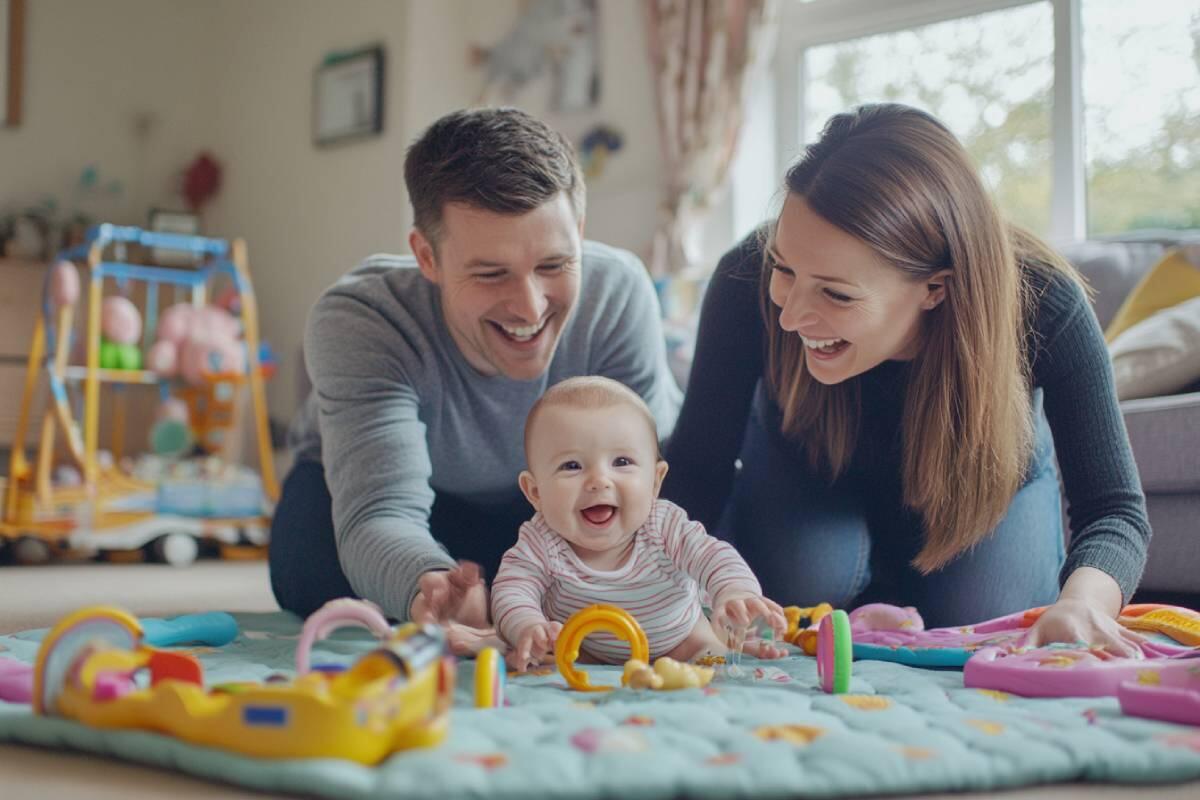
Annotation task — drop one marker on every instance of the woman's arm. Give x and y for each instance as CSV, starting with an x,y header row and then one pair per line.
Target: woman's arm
x,y
1110,532
727,365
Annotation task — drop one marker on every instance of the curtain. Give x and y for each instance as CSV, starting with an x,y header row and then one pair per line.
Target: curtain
x,y
703,53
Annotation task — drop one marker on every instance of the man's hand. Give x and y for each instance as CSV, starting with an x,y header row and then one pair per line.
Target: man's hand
x,y
534,645
740,609
457,595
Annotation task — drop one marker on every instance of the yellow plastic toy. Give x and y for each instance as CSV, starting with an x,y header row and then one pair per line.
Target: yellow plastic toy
x,y
667,674
802,625
583,623
1180,624
112,508
398,696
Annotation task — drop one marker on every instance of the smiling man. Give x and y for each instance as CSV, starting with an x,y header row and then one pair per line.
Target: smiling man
x,y
424,367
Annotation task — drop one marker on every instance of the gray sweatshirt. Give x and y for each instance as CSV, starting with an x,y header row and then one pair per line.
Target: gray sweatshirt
x,y
397,414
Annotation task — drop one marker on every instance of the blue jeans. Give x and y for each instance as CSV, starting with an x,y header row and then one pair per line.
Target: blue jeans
x,y
810,542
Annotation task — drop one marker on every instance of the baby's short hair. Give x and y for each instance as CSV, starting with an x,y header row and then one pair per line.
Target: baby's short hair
x,y
589,391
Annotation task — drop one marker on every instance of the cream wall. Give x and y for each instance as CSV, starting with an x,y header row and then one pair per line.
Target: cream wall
x,y
91,70
236,77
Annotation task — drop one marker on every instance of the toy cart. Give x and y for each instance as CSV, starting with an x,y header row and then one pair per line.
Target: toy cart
x,y
112,506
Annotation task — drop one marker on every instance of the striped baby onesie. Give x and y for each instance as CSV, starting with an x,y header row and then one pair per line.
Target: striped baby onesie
x,y
674,565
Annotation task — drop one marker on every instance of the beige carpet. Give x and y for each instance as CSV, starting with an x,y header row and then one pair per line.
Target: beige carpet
x,y
32,597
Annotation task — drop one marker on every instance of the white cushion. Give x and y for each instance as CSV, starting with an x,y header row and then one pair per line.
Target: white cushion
x,y
1159,355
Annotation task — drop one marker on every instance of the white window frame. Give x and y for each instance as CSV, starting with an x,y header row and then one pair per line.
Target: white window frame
x,y
804,25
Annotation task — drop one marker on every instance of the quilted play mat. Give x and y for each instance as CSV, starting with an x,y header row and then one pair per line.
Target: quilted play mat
x,y
771,732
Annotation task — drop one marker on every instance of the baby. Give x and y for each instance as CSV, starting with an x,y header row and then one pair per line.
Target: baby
x,y
601,535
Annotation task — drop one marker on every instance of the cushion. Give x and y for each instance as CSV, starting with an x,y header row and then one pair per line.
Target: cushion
x,y
1171,281
1159,355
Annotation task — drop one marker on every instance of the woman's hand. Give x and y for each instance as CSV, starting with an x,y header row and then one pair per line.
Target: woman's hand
x,y
1086,612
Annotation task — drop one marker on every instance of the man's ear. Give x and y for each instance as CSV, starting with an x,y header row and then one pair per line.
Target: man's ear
x,y
581,219
422,248
529,489
660,472
935,287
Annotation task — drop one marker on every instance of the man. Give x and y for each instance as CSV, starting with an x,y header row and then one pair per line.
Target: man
x,y
424,368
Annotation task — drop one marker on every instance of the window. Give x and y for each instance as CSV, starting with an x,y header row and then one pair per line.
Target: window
x,y
988,77
1084,115
1141,94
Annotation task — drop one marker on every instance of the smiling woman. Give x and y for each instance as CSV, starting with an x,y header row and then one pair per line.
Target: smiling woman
x,y
897,370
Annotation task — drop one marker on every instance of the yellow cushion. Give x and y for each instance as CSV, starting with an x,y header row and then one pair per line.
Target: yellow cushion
x,y
1171,281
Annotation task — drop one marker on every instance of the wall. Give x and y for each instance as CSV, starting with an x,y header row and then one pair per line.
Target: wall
x,y
236,77
91,69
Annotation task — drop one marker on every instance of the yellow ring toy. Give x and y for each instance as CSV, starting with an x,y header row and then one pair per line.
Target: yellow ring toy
x,y
489,679
583,623
76,633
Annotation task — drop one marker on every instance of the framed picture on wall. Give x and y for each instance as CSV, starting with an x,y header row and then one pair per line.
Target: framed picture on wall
x,y
348,96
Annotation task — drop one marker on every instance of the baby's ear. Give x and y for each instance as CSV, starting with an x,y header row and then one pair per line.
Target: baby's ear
x,y
660,472
529,489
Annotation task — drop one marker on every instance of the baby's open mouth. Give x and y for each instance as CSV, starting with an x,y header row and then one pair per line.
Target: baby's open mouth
x,y
599,515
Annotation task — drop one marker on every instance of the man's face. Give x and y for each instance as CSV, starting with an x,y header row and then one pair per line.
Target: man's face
x,y
508,283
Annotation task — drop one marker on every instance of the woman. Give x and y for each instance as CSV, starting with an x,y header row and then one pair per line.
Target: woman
x,y
895,368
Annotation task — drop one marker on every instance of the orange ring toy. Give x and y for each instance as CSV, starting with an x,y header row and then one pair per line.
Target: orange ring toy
x,y
583,623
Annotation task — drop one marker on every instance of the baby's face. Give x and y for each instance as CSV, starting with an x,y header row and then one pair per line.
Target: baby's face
x,y
593,473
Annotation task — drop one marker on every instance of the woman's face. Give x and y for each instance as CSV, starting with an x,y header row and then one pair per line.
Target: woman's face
x,y
852,309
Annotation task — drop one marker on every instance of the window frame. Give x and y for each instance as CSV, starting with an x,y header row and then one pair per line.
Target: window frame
x,y
805,25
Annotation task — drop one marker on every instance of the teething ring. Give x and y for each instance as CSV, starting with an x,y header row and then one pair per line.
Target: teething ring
x,y
489,679
834,652
335,614
75,635
583,623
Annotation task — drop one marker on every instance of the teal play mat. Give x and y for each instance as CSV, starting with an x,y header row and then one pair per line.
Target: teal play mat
x,y
771,733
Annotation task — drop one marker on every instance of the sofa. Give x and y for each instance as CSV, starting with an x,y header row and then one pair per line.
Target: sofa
x,y
1163,431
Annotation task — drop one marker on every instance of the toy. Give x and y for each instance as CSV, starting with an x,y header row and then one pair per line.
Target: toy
x,y
214,629
109,507
802,625
1060,670
394,697
490,678
586,621
667,674
834,652
1168,691
889,633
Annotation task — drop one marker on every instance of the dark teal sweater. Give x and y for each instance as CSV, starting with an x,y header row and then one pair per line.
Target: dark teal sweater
x,y
1070,363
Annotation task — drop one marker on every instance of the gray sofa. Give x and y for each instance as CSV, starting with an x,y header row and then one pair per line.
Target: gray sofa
x,y
1164,431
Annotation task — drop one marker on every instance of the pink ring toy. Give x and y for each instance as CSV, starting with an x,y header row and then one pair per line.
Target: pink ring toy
x,y
341,613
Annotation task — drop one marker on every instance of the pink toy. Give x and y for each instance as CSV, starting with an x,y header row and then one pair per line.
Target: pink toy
x,y
1058,671
163,358
64,283
340,613
1168,691
199,358
16,681
174,323
120,321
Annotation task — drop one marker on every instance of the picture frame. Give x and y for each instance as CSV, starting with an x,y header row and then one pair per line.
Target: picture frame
x,y
12,60
348,96
169,220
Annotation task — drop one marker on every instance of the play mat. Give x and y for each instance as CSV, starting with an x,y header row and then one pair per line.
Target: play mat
x,y
769,733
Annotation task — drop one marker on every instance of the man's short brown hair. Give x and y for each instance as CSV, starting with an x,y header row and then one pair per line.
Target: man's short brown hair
x,y
497,159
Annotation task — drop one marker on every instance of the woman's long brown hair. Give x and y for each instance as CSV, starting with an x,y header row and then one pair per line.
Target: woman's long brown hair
x,y
897,179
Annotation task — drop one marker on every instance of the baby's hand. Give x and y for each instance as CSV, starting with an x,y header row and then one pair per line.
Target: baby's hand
x,y
535,643
740,609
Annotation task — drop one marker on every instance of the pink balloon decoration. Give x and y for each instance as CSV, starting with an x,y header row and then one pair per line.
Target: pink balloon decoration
x,y
64,283
120,320
175,323
163,358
